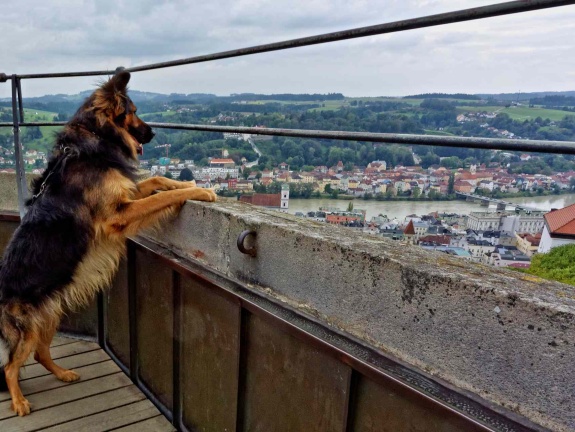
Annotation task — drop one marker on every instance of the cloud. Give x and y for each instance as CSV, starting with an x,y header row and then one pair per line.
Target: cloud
x,y
529,50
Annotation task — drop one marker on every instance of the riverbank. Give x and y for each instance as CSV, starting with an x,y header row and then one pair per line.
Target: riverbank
x,y
401,208
437,198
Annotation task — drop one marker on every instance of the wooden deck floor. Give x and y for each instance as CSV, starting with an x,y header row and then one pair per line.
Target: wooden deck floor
x,y
104,399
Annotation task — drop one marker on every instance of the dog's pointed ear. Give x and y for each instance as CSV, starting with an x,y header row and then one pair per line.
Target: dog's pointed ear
x,y
110,99
116,84
121,79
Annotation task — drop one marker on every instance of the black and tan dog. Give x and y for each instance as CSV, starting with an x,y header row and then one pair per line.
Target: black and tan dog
x,y
68,245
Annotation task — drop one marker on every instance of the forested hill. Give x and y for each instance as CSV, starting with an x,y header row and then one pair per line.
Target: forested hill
x,y
547,117
519,96
459,96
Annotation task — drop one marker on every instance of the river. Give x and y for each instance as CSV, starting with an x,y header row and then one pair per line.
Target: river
x,y
400,209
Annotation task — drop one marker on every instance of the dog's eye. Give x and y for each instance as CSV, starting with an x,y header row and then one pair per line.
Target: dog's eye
x,y
121,117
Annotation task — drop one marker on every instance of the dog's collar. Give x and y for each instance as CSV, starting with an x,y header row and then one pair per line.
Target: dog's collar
x,y
66,152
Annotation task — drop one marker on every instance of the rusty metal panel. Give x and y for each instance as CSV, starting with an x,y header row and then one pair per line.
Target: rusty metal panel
x,y
379,409
209,358
7,229
290,386
82,321
155,326
118,316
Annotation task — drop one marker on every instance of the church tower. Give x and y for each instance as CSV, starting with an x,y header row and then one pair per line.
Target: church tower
x,y
285,197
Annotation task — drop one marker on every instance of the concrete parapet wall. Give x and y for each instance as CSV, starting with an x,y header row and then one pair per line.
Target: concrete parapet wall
x,y
505,336
9,190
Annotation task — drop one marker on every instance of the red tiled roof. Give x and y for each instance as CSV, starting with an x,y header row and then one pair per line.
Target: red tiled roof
x,y
519,265
228,161
561,221
263,200
409,229
533,239
439,239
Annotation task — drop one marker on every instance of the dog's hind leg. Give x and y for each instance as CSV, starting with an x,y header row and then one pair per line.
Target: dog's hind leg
x,y
42,356
26,345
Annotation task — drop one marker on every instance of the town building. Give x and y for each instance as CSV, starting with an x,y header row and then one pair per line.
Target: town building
x,y
278,201
272,201
559,228
218,168
508,256
528,243
510,222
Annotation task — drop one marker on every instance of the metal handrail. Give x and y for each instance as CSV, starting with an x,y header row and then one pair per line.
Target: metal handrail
x,y
524,145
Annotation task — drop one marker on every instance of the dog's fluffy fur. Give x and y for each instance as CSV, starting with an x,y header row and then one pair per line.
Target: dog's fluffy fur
x,y
68,245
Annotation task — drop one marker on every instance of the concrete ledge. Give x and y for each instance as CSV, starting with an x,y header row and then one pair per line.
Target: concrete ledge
x,y
9,190
504,336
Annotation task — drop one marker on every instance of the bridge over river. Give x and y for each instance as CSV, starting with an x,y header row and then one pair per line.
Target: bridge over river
x,y
501,204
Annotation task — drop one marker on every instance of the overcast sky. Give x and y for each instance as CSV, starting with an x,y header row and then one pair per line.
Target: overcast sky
x,y
531,51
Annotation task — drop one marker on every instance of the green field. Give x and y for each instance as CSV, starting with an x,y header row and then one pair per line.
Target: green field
x,y
164,114
34,115
526,113
486,108
519,113
434,132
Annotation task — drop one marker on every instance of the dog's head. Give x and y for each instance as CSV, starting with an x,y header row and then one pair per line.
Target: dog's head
x,y
110,114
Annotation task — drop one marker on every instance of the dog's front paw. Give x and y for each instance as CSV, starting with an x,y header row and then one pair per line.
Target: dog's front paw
x,y
212,196
189,184
21,407
68,376
198,194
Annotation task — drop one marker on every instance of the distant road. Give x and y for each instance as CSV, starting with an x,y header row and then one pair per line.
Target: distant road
x,y
258,152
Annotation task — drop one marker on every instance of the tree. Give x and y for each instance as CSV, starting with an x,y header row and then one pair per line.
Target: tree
x,y
416,192
451,184
451,162
168,175
428,160
186,175
558,264
350,207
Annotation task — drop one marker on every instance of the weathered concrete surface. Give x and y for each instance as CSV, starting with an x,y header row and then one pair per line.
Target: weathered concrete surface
x,y
505,336
9,191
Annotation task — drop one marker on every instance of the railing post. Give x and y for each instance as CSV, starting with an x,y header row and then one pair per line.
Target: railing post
x,y
17,118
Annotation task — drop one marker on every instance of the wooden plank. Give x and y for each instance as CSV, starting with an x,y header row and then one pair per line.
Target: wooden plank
x,y
49,382
156,424
40,420
62,340
71,362
74,348
71,392
108,420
